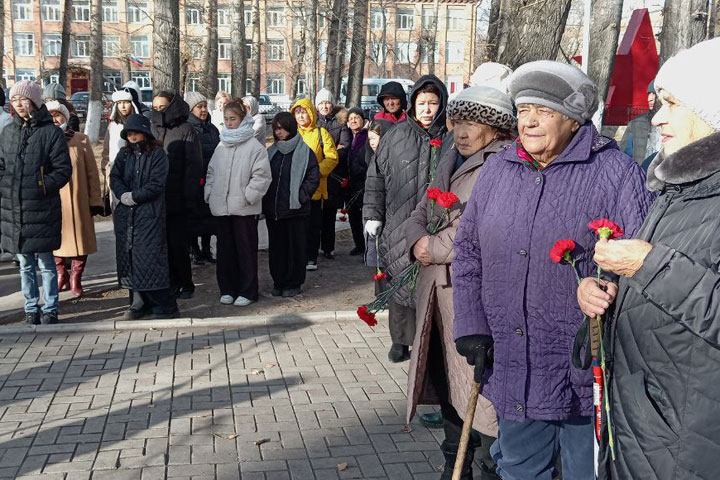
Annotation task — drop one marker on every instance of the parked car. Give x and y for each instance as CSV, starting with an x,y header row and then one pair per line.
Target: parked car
x,y
370,90
147,96
80,102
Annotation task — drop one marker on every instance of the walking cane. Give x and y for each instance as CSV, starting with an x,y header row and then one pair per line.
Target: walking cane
x,y
467,426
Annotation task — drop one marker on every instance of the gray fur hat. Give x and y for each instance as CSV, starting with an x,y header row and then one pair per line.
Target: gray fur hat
x,y
486,105
562,87
54,91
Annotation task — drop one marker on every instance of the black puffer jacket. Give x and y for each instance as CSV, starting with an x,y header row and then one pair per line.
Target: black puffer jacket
x,y
202,222
398,177
184,182
276,202
336,125
140,242
35,165
665,333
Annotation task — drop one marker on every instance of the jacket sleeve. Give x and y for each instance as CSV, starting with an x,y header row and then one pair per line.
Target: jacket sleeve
x,y
416,227
105,161
155,185
59,161
330,154
193,168
466,269
260,177
210,176
93,177
441,246
682,288
374,198
343,153
117,175
311,181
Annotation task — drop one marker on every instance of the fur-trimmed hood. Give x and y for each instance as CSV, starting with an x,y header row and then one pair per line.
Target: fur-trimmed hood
x,y
692,163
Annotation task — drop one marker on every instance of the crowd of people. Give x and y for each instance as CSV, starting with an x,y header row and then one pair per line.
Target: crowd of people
x,y
519,152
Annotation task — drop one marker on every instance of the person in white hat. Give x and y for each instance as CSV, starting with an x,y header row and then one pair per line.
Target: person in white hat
x,y
123,107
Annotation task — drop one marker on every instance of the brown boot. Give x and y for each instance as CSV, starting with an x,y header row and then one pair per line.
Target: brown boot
x,y
62,274
78,267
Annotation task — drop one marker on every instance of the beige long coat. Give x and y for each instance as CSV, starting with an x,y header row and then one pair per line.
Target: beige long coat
x,y
76,197
433,295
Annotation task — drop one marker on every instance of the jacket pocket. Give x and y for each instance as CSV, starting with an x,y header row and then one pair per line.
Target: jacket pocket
x,y
649,417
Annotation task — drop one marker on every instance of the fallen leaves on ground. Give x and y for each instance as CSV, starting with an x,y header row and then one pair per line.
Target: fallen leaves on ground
x,y
231,436
342,467
261,441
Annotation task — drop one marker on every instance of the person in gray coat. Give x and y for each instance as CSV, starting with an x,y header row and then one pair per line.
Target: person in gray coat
x,y
664,387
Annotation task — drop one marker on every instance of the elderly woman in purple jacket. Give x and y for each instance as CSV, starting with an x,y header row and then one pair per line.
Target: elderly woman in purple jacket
x,y
516,312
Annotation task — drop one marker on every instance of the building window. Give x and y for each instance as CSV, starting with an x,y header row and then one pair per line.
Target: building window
x,y
111,46
224,82
276,17
22,10
455,52
51,44
425,52
405,52
140,46
322,19
299,17
275,50
322,50
81,10
24,74
137,11
378,52
80,46
24,44
51,77
428,17
142,79
276,84
455,19
112,80
224,49
110,11
379,18
50,11
224,17
193,82
301,86
248,17
194,15
405,20
248,49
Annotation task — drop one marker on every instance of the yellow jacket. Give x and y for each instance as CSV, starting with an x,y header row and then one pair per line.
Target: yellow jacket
x,y
321,143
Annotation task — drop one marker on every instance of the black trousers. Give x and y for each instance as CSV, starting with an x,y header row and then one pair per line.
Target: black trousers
x,y
329,214
287,251
155,301
401,321
179,254
314,229
237,257
356,223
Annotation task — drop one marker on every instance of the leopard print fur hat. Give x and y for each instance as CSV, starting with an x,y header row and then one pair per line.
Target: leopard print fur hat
x,y
484,105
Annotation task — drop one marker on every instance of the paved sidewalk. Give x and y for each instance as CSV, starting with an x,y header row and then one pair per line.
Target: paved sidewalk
x,y
315,400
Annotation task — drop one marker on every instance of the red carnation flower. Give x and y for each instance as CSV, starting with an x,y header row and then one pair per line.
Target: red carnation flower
x,y
434,193
343,211
343,218
366,316
202,181
605,228
435,142
447,199
379,275
562,250
344,183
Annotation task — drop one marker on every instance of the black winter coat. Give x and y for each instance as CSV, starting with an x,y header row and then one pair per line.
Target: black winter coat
x,y
184,185
201,221
665,332
357,162
74,122
140,242
276,202
397,180
35,165
336,125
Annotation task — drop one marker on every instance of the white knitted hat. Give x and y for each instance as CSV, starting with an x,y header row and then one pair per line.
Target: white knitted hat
x,y
324,95
121,96
491,74
691,76
56,106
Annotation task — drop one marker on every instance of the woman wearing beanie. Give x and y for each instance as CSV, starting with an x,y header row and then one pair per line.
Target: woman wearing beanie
x,y
664,336
201,222
237,178
253,106
54,92
357,172
482,119
295,178
397,179
138,179
393,99
122,108
80,200
510,298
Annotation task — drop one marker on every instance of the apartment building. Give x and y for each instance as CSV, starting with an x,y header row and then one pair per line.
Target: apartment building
x,y
399,39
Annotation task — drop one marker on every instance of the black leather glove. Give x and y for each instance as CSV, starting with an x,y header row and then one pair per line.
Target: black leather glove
x,y
478,351
97,211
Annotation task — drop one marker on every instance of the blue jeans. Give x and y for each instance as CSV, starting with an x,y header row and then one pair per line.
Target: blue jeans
x,y
29,285
528,450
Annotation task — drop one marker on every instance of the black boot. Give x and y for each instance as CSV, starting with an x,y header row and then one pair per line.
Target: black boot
x,y
449,451
398,353
197,256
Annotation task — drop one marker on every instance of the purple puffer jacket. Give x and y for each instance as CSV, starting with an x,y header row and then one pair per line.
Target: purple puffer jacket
x,y
505,285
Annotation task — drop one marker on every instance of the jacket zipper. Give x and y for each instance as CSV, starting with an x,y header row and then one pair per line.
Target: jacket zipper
x,y
277,190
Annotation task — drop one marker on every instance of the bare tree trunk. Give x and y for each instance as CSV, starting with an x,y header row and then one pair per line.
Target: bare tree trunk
x,y
356,70
684,24
341,58
534,30
166,43
312,63
209,84
95,106
433,38
712,20
239,62
297,64
65,44
333,59
256,49
491,48
604,33
3,83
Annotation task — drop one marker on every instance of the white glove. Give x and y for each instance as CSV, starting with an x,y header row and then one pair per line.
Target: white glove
x,y
126,199
372,227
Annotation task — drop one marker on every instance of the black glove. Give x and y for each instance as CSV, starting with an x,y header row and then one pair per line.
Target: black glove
x,y
97,211
478,351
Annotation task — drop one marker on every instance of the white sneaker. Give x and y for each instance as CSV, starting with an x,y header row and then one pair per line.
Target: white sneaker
x,y
311,266
227,300
242,302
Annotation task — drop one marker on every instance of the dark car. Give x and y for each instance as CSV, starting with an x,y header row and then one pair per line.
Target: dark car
x,y
80,102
